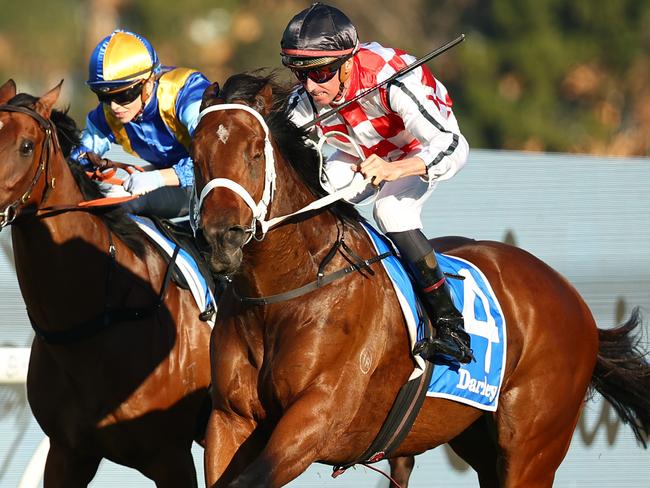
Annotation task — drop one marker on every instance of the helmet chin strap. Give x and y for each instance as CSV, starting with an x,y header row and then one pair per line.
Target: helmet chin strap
x,y
342,81
144,99
339,95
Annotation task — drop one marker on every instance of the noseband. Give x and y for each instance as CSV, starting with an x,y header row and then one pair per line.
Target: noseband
x,y
260,209
10,213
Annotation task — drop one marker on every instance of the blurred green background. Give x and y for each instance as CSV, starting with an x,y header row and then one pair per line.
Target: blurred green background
x,y
538,75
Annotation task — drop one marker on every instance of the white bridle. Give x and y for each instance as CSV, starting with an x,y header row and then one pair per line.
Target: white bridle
x,y
260,208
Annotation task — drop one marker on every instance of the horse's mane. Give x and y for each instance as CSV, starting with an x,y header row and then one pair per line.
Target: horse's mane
x,y
69,136
290,139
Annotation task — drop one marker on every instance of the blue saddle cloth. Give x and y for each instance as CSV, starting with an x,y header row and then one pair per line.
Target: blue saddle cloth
x,y
478,383
185,263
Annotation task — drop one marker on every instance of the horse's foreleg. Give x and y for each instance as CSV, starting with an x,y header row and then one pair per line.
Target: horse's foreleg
x,y
230,445
401,468
302,436
68,468
172,468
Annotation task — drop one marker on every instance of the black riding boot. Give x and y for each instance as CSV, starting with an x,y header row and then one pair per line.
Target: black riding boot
x,y
451,338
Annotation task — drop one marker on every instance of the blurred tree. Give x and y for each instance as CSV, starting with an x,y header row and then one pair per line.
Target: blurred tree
x,y
39,43
555,76
543,75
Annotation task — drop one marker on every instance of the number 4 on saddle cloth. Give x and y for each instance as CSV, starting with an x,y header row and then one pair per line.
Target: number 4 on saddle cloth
x,y
476,383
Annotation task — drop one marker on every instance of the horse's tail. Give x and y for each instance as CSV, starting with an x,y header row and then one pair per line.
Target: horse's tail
x,y
622,375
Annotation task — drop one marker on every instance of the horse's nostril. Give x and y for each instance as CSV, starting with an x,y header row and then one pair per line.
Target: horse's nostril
x,y
235,236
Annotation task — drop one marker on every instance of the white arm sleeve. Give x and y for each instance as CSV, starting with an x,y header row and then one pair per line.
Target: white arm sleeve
x,y
93,140
299,108
340,172
444,148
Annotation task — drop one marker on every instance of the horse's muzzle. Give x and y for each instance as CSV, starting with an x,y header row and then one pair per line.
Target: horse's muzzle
x,y
226,248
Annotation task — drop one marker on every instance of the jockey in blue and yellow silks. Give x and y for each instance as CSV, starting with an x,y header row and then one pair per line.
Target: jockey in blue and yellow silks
x,y
151,111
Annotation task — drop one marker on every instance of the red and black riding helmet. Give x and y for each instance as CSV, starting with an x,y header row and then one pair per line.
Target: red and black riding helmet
x,y
318,36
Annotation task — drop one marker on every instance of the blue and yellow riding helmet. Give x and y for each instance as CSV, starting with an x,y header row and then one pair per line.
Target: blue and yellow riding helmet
x,y
120,60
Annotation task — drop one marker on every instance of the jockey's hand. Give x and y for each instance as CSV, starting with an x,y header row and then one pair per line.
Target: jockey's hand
x,y
99,162
143,182
379,170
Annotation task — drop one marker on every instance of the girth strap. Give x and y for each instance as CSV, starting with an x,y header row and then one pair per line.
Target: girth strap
x,y
91,327
108,317
399,421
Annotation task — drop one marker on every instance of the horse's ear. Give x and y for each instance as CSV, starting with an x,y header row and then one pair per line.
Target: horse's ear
x,y
7,91
264,100
47,101
210,96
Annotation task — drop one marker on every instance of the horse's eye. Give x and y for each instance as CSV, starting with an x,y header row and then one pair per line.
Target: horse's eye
x,y
26,147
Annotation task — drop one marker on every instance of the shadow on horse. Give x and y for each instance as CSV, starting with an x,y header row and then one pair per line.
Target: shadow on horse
x,y
117,369
311,378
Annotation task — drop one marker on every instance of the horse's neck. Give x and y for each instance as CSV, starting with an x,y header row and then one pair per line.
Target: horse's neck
x,y
60,227
61,259
290,254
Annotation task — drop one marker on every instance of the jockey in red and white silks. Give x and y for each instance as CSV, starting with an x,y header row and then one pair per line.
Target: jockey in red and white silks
x,y
411,116
402,137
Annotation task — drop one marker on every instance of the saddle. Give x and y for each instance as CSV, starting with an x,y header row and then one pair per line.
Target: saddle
x,y
181,235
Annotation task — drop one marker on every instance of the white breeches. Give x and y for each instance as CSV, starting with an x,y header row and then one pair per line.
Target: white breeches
x,y
398,206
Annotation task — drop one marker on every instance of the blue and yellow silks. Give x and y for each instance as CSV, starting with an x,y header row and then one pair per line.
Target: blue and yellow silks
x,y
161,134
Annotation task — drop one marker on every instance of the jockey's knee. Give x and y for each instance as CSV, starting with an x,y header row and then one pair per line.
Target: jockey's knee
x,y
392,217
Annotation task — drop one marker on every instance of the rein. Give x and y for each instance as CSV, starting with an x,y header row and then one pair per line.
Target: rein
x,y
85,206
15,209
10,213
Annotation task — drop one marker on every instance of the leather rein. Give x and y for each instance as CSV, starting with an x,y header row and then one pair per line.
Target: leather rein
x,y
260,209
109,315
10,212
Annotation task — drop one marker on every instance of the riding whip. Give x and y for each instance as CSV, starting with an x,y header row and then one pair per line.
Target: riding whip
x,y
403,71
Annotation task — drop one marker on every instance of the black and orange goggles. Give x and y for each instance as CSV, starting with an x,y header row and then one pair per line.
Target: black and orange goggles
x,y
319,74
122,96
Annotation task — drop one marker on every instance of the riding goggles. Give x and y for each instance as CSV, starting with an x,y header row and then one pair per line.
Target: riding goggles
x,y
321,74
121,97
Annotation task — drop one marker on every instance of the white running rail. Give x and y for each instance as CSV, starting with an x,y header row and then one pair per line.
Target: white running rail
x,y
13,371
13,365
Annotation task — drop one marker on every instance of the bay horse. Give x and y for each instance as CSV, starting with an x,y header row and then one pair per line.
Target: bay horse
x,y
312,377
116,371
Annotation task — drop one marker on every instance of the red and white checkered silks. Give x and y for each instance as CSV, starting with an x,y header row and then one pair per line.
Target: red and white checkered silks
x,y
411,116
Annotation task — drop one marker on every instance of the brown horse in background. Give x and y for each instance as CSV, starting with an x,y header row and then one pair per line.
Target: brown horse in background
x,y
116,371
311,379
